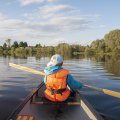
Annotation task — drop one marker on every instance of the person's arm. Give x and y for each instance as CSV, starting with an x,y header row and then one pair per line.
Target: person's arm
x,y
73,84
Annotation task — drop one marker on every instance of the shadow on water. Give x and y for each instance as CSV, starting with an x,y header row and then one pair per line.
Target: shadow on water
x,y
102,72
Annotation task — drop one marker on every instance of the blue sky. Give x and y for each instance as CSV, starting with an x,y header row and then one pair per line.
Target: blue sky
x,y
50,22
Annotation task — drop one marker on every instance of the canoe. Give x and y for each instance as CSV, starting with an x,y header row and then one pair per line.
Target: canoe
x,y
37,107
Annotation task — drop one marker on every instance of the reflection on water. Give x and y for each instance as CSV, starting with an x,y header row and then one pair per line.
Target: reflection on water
x,y
110,63
103,72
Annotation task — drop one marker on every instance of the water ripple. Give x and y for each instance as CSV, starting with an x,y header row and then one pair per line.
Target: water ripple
x,y
16,84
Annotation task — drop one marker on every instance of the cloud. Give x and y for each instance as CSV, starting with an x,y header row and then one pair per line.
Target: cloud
x,y
47,22
2,17
59,18
51,0
11,24
25,30
28,2
71,23
57,8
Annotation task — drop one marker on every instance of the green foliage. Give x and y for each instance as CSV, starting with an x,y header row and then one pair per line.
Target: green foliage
x,y
20,50
38,46
63,49
76,49
5,52
89,51
28,50
8,41
4,46
12,50
23,44
1,50
98,45
15,44
112,39
1,47
109,45
51,49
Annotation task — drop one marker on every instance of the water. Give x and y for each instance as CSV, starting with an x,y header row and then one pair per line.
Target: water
x,y
103,73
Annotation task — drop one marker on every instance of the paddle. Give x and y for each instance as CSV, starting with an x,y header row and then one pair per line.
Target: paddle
x,y
26,69
105,91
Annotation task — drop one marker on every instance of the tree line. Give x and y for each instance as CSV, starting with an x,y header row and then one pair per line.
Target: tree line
x,y
110,44
22,48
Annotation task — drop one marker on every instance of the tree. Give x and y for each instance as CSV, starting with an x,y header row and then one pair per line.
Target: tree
x,y
25,44
98,45
64,49
21,44
8,41
4,46
89,51
38,45
1,50
15,44
112,39
50,50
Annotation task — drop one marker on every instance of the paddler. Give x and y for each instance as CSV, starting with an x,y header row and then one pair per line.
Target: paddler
x,y
59,82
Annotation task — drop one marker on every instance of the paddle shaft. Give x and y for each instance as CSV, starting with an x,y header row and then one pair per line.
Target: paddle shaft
x,y
105,91
26,69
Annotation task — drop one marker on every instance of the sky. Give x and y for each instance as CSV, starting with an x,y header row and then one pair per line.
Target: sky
x,y
50,22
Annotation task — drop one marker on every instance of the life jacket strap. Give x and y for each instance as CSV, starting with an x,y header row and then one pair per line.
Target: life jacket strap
x,y
59,91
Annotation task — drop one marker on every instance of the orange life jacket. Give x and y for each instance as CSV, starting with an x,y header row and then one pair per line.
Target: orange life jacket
x,y
56,86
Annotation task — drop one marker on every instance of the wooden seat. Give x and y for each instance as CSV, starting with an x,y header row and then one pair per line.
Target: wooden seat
x,y
25,117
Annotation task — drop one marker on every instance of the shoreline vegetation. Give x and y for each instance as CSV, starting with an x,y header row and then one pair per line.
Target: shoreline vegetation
x,y
109,45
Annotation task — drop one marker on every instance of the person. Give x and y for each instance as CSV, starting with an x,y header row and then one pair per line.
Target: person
x,y
59,82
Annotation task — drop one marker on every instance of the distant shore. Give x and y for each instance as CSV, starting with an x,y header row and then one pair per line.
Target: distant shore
x,y
109,45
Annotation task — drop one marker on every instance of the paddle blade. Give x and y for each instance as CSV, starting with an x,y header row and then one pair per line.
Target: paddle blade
x,y
26,69
112,93
105,91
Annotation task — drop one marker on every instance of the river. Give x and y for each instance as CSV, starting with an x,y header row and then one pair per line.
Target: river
x,y
102,72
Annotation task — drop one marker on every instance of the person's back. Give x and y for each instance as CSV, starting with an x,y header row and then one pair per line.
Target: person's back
x,y
57,80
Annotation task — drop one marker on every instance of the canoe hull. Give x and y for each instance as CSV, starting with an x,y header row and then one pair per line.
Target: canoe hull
x,y
75,108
